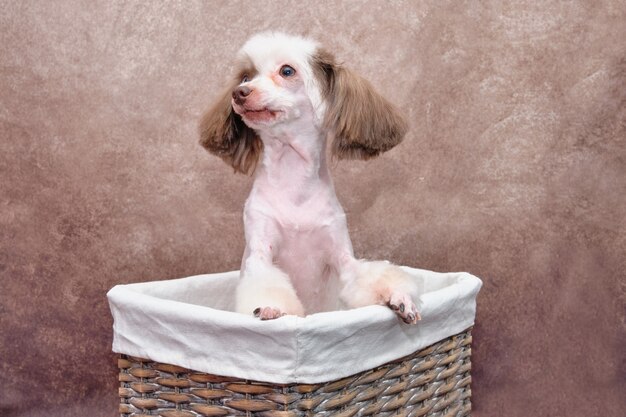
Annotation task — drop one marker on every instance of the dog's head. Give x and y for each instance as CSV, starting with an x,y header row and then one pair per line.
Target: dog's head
x,y
282,80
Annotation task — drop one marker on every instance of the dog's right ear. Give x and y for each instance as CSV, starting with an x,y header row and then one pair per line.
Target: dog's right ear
x,y
223,133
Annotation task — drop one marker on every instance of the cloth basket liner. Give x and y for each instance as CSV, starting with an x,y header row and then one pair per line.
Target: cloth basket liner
x,y
187,322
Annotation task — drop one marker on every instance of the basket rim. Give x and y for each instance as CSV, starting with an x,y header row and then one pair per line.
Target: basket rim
x,y
287,350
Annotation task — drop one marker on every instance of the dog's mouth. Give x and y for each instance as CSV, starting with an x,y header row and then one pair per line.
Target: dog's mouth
x,y
259,115
263,110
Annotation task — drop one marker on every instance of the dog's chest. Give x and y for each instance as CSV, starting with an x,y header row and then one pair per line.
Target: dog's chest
x,y
304,254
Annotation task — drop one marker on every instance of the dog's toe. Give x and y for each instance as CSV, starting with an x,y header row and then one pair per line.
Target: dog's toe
x,y
268,313
404,307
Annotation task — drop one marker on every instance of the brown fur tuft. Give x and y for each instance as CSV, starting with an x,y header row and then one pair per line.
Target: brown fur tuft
x,y
363,123
223,132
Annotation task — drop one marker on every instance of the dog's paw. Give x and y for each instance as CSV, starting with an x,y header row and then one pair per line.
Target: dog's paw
x,y
268,313
404,307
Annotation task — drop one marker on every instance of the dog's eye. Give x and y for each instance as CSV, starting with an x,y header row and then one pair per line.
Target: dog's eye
x,y
244,78
287,71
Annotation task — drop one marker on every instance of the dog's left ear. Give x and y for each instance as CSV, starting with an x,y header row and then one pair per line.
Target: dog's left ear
x,y
223,133
363,123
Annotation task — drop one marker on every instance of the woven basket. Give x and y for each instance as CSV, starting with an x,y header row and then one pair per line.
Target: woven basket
x,y
431,382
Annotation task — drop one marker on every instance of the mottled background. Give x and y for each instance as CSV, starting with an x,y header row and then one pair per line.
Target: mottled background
x,y
514,170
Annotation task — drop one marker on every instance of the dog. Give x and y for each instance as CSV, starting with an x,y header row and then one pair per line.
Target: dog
x,y
289,98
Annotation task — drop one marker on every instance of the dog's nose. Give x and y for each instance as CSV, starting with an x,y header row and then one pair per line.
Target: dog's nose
x,y
240,93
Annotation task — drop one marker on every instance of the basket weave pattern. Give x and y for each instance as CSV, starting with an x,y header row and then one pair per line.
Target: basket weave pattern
x,y
432,382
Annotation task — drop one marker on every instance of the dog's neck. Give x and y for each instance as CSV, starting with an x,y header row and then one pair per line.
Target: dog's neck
x,y
293,156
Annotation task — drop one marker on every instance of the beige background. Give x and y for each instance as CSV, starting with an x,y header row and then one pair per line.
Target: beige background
x,y
514,170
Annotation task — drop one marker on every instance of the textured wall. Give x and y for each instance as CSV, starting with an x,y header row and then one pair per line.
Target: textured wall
x,y
514,170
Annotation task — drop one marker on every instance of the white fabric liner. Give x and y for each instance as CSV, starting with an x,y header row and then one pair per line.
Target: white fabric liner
x,y
186,322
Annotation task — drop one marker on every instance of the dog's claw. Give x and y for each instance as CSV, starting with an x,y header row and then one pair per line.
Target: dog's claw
x,y
402,308
257,311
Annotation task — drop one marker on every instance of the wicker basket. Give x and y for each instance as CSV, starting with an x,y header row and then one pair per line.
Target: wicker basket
x,y
434,381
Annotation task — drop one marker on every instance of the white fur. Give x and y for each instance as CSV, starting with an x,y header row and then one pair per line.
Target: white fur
x,y
271,49
298,254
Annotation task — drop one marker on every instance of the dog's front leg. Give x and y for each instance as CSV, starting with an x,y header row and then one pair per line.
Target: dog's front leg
x,y
264,290
379,282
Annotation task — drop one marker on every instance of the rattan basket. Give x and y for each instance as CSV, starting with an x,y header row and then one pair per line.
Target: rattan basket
x,y
434,381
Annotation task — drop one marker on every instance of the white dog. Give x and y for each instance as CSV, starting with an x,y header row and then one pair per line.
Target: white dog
x,y
288,99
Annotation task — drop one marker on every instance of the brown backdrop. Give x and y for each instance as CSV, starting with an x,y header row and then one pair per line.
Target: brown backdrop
x,y
514,170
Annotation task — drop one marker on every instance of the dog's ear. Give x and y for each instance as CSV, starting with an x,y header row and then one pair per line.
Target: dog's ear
x,y
363,123
223,133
